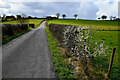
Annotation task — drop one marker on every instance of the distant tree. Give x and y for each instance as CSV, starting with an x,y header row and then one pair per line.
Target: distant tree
x,y
29,17
114,18
4,17
0,18
76,15
22,18
99,18
23,15
35,17
104,17
111,17
12,17
18,16
64,15
58,15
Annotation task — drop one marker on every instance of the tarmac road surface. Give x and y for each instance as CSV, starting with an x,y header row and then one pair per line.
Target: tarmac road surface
x,y
28,56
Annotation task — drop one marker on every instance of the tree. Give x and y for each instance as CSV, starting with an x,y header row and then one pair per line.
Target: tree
x,y
58,15
114,18
99,18
18,16
104,17
22,18
111,17
0,18
64,15
75,16
29,17
12,17
4,17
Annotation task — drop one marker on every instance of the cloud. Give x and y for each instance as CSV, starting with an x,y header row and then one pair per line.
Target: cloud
x,y
86,9
107,8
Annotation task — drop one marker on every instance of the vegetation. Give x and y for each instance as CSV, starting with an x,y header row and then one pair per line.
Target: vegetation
x,y
64,15
102,61
30,21
75,16
9,38
58,15
103,17
37,23
109,37
62,67
97,24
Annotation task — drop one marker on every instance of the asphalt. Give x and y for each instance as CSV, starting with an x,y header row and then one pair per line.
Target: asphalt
x,y
28,56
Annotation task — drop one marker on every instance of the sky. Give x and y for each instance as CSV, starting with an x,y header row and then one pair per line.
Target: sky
x,y
86,9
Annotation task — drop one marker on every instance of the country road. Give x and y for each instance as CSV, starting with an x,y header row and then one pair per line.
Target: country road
x,y
28,56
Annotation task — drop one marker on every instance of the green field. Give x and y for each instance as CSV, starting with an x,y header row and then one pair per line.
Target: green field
x,y
102,61
29,21
105,33
97,24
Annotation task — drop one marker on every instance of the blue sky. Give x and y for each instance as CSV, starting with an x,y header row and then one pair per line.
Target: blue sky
x,y
87,9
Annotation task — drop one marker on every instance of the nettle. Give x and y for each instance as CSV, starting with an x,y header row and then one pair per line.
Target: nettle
x,y
78,41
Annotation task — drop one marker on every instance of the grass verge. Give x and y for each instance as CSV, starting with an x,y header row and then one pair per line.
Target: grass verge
x,y
62,67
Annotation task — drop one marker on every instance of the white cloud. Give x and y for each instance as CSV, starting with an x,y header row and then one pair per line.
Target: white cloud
x,y
49,0
87,10
107,8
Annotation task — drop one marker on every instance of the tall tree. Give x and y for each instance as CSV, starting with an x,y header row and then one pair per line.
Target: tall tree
x,y
58,15
64,15
104,17
76,15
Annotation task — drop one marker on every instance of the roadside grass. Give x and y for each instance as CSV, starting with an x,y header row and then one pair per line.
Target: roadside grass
x,y
97,24
61,66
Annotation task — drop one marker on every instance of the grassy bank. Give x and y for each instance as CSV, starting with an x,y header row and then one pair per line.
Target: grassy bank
x,y
9,38
97,24
62,67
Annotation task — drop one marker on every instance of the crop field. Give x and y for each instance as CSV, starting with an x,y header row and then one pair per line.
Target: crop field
x,y
108,32
97,24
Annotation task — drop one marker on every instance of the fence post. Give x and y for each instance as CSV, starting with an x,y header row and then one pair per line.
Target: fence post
x,y
111,61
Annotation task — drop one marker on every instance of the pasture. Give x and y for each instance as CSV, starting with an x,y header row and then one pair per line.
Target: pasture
x,y
97,24
29,21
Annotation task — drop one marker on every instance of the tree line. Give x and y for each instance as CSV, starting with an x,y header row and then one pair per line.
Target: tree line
x,y
103,17
18,17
